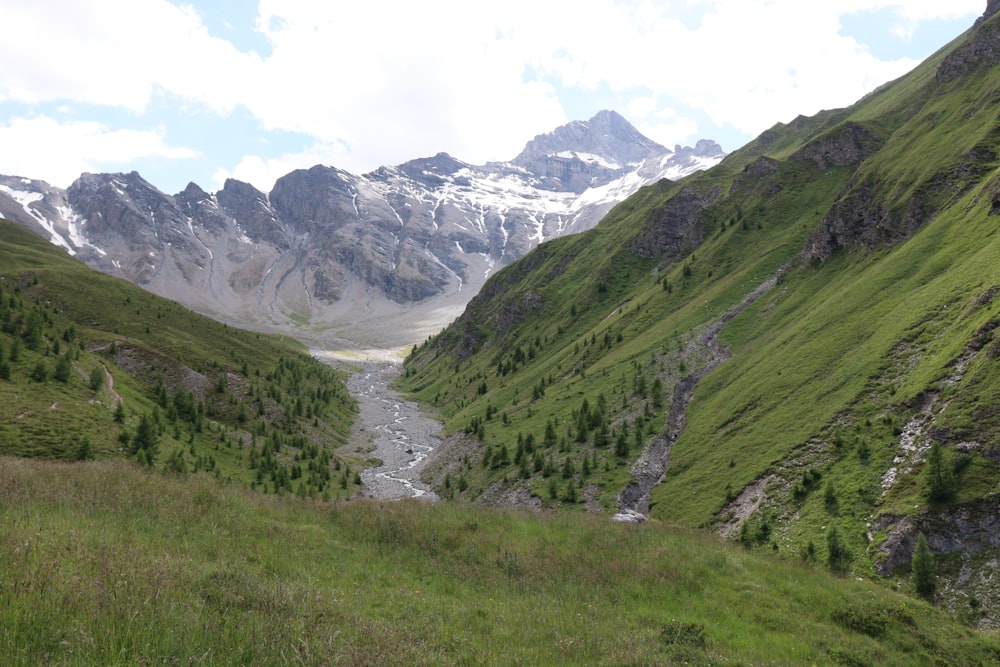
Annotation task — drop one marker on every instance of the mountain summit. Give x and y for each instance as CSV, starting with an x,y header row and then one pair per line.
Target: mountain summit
x,y
351,253
570,157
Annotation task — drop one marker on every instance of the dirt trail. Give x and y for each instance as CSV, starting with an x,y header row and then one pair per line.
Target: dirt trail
x,y
633,501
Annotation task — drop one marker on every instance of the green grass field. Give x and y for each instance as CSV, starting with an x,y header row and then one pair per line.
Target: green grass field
x,y
109,563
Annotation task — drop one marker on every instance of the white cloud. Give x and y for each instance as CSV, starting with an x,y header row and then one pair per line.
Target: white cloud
x,y
263,172
59,152
115,53
382,81
381,76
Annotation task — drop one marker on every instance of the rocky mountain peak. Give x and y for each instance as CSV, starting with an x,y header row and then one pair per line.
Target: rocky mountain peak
x,y
325,246
585,154
703,148
607,136
192,193
432,170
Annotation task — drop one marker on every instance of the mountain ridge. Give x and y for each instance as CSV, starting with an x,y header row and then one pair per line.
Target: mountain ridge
x,y
327,249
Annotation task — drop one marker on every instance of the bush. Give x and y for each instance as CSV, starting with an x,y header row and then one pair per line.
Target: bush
x,y
676,633
871,622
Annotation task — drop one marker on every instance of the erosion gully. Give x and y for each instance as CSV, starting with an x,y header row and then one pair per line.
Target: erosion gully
x,y
401,437
633,501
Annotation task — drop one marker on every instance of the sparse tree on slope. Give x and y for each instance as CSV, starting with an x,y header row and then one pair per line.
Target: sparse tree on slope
x,y
922,565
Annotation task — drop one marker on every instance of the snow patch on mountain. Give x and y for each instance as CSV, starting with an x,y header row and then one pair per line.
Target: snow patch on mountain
x,y
327,249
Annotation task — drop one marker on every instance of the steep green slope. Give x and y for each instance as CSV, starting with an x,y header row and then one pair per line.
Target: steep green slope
x,y
92,366
814,404
108,563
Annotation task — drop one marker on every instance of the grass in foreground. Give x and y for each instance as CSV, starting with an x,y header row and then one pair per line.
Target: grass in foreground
x,y
107,563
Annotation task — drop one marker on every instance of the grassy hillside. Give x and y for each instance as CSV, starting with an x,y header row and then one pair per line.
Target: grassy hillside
x,y
109,563
94,367
816,407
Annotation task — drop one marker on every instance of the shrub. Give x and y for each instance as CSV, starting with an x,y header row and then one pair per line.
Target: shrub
x,y
680,633
871,622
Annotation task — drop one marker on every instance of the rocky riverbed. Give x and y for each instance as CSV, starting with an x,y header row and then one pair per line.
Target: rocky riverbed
x,y
393,431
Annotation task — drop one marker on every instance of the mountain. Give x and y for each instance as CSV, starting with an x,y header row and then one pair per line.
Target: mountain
x,y
92,366
797,348
326,249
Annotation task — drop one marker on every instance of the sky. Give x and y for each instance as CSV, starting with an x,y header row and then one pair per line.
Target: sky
x,y
205,90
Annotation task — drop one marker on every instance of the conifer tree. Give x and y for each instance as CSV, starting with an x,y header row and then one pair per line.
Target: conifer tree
x,y
146,438
940,476
63,369
922,566
837,554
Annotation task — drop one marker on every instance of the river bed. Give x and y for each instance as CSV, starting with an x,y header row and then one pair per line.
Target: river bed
x,y
392,430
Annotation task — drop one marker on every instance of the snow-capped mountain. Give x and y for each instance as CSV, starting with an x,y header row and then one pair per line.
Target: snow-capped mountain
x,y
380,257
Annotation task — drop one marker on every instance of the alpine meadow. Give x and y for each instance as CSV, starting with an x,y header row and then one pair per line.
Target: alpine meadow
x,y
752,417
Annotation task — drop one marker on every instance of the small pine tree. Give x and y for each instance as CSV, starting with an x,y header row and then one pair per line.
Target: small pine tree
x,y
940,475
96,378
176,463
570,495
84,452
146,437
837,554
922,566
40,373
502,457
621,445
63,369
830,497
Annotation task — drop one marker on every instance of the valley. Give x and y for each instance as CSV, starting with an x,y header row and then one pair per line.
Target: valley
x,y
438,413
391,432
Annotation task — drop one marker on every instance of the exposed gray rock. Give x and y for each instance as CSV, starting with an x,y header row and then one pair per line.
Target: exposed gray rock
x,y
326,248
980,51
754,172
675,227
847,145
966,528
